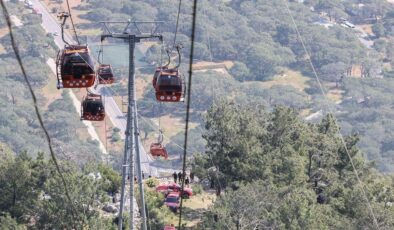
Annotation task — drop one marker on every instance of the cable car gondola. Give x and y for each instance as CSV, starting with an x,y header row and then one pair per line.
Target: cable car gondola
x,y
158,150
74,67
105,74
157,74
92,108
169,85
168,82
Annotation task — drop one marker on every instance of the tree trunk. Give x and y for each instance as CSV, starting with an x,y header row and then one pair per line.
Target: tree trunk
x,y
218,191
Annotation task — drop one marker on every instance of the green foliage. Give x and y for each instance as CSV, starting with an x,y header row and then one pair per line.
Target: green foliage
x,y
278,165
19,184
240,71
32,188
368,115
116,137
19,127
111,179
152,182
257,33
263,59
158,212
8,223
197,189
378,30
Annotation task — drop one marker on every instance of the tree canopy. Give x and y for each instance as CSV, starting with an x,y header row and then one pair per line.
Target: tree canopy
x,y
280,172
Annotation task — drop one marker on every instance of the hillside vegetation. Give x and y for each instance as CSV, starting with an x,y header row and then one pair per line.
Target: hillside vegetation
x,y
267,165
281,173
261,40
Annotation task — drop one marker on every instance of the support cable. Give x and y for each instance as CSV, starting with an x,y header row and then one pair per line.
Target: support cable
x,y
189,84
177,23
336,122
35,104
72,23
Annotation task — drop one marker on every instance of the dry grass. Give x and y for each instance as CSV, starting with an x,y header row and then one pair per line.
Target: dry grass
x,y
367,28
305,112
63,8
118,100
173,125
203,66
50,91
193,209
335,95
141,84
356,71
2,49
290,77
3,32
89,32
196,205
144,46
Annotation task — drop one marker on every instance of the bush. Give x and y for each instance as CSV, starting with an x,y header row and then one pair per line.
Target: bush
x,y
112,180
116,137
197,189
152,182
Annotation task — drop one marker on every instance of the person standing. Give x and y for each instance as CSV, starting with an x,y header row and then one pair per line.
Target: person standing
x,y
191,177
187,181
180,177
175,176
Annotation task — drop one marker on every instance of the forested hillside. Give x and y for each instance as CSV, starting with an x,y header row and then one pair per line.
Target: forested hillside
x,y
20,130
263,138
261,40
282,173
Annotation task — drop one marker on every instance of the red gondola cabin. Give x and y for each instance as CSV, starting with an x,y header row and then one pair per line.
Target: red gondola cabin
x,y
168,85
105,74
92,108
74,67
158,150
157,74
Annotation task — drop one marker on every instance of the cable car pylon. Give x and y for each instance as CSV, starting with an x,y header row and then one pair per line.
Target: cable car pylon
x,y
131,134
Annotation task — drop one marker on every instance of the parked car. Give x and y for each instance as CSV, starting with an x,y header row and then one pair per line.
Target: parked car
x,y
174,187
172,201
169,227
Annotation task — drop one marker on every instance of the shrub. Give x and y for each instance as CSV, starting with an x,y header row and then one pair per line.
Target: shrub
x,y
197,189
152,182
115,137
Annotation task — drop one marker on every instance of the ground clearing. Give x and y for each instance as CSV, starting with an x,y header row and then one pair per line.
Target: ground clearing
x,y
288,78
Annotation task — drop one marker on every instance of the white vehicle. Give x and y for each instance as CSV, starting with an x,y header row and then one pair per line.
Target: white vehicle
x,y
348,24
29,4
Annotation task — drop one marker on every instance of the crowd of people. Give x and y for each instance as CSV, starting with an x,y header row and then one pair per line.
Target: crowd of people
x,y
188,179
177,178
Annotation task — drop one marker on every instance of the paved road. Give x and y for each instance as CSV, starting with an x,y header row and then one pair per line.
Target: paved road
x,y
51,25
